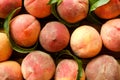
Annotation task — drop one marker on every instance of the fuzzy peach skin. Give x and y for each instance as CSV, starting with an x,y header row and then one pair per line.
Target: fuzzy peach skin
x,y
54,36
67,69
110,33
104,67
38,65
38,8
73,11
25,30
85,41
10,70
5,47
6,6
109,10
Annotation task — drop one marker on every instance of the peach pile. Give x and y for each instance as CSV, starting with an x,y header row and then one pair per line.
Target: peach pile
x,y
6,6
25,30
36,23
73,11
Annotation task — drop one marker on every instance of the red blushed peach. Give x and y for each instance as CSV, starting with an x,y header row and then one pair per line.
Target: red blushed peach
x,y
38,8
6,6
38,65
54,36
109,10
5,47
110,33
73,11
10,70
85,42
104,67
25,30
67,70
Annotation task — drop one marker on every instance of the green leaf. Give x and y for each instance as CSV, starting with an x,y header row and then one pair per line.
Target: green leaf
x,y
79,62
54,2
13,44
97,3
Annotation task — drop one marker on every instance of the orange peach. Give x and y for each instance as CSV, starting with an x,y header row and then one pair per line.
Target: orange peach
x,y
104,67
54,36
85,41
5,47
73,11
38,65
25,30
109,10
10,70
67,69
38,8
6,6
110,33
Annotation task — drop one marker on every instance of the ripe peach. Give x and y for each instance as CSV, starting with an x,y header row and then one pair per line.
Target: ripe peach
x,y
104,67
38,8
110,33
54,36
109,10
38,65
73,11
67,69
25,30
6,6
10,70
85,42
5,47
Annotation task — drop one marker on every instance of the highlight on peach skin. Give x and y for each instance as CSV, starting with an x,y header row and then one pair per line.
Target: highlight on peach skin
x,y
6,6
67,69
73,11
5,47
10,70
38,65
25,30
85,42
54,36
38,8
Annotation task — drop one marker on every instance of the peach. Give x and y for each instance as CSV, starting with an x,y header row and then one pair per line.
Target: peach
x,y
85,41
38,8
54,36
73,11
5,47
25,30
10,70
67,69
104,67
110,33
6,6
109,10
38,65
